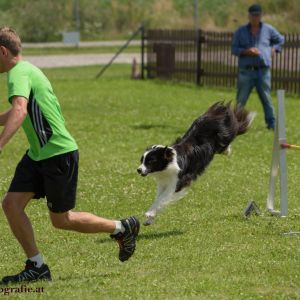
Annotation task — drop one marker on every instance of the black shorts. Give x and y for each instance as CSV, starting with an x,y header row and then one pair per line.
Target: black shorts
x,y
54,178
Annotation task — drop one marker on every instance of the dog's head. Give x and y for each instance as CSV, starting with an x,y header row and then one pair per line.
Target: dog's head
x,y
155,159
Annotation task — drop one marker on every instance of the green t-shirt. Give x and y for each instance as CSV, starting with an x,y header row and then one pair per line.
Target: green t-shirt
x,y
44,124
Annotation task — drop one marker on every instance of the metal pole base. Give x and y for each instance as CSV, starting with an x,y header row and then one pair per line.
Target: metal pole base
x,y
250,208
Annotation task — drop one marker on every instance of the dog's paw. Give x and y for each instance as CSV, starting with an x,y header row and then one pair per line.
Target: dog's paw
x,y
228,151
148,221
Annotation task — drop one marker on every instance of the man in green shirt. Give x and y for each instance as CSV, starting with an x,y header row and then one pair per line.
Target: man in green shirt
x,y
49,168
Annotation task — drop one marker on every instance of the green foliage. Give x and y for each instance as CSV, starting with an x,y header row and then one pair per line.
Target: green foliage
x,y
37,21
43,20
5,5
200,247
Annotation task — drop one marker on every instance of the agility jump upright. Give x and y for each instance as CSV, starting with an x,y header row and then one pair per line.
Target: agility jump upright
x,y
279,162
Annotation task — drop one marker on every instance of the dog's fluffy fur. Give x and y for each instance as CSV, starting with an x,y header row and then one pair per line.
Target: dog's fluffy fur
x,y
175,167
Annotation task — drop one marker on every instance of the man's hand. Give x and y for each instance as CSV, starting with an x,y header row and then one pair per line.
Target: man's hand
x,y
251,52
254,51
273,51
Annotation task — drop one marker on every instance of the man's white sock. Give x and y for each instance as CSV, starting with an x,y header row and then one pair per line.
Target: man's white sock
x,y
119,227
38,259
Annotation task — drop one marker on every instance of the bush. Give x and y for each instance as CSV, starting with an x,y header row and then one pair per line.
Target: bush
x,y
44,20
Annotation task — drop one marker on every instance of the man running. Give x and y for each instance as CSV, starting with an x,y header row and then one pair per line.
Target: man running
x,y
50,166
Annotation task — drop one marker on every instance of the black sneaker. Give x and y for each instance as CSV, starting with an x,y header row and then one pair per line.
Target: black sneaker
x,y
31,273
127,239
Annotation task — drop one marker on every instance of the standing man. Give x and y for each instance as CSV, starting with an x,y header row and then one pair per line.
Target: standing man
x,y
50,166
255,44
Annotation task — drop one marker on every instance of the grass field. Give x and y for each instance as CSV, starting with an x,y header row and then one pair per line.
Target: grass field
x,y
201,247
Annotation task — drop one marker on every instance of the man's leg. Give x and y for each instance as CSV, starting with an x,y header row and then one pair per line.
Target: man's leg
x,y
263,87
82,222
124,232
14,205
244,86
14,208
61,197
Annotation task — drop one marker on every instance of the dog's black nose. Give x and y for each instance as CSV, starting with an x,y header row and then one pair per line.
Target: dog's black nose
x,y
139,170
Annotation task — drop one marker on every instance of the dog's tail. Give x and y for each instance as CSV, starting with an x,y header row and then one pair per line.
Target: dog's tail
x,y
244,118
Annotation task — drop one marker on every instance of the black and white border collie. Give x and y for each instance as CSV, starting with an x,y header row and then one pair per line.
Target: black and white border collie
x,y
177,166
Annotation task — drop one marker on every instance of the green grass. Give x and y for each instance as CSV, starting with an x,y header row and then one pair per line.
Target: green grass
x,y
200,247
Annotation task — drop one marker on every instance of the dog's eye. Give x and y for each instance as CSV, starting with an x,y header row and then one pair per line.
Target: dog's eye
x,y
152,160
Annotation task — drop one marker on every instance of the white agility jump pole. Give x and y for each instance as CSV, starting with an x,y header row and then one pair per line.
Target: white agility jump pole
x,y
279,162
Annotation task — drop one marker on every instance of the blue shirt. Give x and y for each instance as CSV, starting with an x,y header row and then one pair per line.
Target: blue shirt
x,y
266,39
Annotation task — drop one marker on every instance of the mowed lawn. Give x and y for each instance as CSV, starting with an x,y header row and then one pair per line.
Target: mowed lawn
x,y
199,248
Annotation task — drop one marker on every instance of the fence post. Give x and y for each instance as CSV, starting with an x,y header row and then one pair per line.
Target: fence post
x,y
142,51
198,66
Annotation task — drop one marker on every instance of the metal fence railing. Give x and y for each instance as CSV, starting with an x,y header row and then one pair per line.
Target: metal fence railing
x,y
205,58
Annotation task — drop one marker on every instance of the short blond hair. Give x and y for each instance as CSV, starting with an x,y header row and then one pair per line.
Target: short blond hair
x,y
10,40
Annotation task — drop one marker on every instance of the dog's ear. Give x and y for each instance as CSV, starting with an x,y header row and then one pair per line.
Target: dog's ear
x,y
168,153
150,147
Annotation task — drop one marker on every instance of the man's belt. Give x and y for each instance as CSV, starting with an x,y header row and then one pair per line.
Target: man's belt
x,y
252,68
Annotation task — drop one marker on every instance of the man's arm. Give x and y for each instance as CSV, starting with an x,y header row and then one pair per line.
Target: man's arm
x,y
4,117
14,119
277,40
235,45
237,50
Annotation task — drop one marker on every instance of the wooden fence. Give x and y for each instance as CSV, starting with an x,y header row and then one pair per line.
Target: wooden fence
x,y
205,58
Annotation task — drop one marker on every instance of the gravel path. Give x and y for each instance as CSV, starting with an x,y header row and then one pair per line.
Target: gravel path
x,y
55,61
81,44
